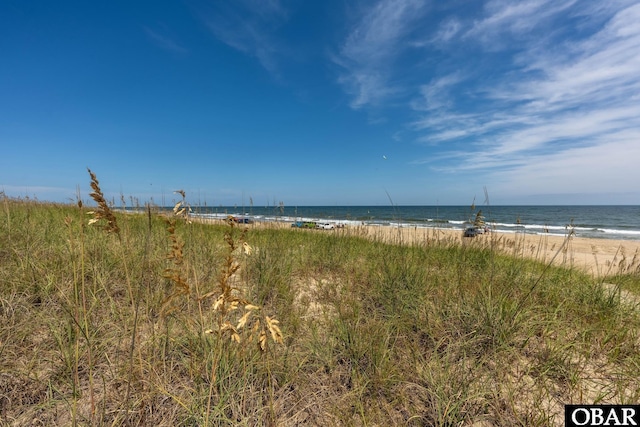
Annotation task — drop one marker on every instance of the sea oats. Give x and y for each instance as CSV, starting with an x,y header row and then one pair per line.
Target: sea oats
x,y
182,209
103,212
243,320
272,325
175,273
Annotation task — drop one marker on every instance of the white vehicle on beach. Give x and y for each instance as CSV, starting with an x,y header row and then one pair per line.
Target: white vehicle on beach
x,y
325,226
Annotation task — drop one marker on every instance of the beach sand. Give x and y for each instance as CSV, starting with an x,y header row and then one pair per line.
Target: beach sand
x,y
595,256
598,257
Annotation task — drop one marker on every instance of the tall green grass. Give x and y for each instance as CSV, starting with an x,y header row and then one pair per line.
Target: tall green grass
x,y
170,322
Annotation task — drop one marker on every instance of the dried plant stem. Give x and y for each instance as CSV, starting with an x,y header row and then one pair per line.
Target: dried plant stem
x,y
104,215
136,311
83,286
80,317
212,378
76,323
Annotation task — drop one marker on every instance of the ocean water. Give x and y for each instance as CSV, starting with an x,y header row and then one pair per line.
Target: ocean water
x,y
607,222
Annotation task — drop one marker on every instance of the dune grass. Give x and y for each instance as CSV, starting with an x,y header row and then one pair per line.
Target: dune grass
x,y
167,322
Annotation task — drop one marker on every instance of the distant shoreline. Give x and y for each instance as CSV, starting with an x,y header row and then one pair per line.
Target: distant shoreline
x,y
596,256
601,222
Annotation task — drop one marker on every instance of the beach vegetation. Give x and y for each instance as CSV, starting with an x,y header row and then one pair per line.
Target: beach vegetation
x,y
154,318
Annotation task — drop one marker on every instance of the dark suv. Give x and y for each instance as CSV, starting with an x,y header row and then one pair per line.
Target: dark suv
x,y
471,232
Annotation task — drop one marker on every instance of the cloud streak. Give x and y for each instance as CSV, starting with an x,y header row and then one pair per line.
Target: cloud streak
x,y
248,26
554,112
506,89
163,41
369,52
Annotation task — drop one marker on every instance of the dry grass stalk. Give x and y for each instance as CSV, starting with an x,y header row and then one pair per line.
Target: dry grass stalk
x,y
230,298
103,212
229,321
234,314
175,273
182,209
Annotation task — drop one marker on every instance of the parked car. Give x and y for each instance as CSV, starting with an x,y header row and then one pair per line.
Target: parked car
x,y
471,231
325,226
241,220
304,224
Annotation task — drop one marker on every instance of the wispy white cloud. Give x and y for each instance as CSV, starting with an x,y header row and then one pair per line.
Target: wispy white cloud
x,y
435,95
164,41
609,167
504,19
556,115
447,31
369,52
249,27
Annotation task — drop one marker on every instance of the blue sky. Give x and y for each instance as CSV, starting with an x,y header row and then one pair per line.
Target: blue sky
x,y
322,102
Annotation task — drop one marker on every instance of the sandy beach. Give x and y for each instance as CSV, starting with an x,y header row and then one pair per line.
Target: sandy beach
x,y
595,256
